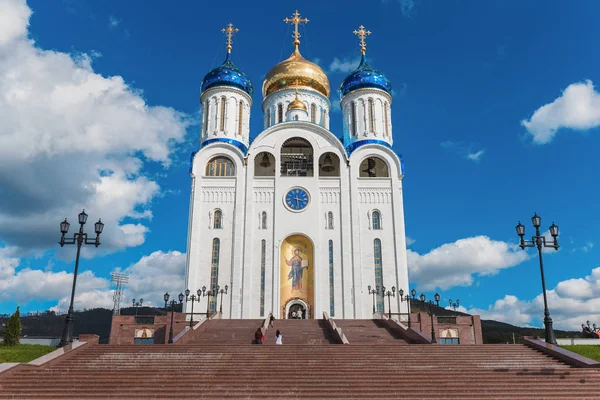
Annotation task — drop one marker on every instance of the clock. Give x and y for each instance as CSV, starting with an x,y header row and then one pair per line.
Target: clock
x,y
296,199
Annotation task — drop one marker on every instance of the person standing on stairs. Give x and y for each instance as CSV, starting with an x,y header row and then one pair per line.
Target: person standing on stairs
x,y
278,337
258,336
271,320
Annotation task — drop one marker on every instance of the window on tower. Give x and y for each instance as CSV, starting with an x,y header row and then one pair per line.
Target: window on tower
x,y
220,166
241,118
264,164
329,220
386,119
279,113
296,157
378,273
353,118
214,273
371,116
313,113
263,220
376,220
222,115
373,167
218,219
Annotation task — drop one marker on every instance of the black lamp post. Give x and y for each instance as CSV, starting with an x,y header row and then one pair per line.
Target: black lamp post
x,y
193,298
389,295
430,312
540,241
437,299
209,293
373,292
173,303
222,292
137,304
454,305
414,293
79,238
407,299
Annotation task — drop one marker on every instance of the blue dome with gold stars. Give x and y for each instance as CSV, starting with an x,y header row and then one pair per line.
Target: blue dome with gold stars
x,y
227,74
365,76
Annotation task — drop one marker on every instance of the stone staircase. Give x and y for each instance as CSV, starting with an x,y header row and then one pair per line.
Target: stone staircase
x,y
369,331
227,331
301,371
298,331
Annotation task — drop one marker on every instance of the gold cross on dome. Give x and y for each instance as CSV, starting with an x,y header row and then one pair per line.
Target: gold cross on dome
x,y
296,20
362,33
229,31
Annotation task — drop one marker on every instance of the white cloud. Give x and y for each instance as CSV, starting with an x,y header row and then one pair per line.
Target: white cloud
x,y
577,108
410,241
113,21
72,139
571,303
345,65
476,156
455,264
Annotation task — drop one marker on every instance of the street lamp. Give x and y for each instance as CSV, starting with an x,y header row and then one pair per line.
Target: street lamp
x,y
79,238
390,294
430,312
193,298
540,241
222,292
437,299
373,292
137,304
407,299
209,293
454,305
173,303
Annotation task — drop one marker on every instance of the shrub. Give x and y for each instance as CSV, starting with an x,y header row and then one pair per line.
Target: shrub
x,y
12,333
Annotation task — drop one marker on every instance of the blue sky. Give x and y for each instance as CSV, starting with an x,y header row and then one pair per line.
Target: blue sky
x,y
495,113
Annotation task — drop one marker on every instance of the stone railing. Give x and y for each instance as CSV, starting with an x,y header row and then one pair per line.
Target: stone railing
x,y
335,330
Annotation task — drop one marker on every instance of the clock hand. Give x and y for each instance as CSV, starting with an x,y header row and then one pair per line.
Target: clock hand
x,y
296,198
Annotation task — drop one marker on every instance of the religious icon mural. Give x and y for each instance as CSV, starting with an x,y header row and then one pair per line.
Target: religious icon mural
x,y
297,271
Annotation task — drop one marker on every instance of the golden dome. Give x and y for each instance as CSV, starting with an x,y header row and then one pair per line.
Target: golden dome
x,y
296,71
296,104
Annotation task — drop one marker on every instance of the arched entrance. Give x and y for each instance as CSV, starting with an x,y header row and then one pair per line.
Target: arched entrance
x,y
296,290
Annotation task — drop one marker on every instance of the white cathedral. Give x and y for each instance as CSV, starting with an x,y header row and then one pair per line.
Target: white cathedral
x,y
296,220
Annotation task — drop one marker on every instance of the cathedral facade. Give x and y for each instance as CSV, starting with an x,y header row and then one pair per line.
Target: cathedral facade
x,y
296,220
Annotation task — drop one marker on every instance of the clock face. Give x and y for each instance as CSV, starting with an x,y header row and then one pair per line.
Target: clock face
x,y
296,199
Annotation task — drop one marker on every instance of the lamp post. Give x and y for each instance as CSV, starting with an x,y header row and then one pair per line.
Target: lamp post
x,y
389,295
79,238
173,303
540,241
209,293
407,299
454,305
193,298
414,293
437,299
137,304
222,292
430,312
373,292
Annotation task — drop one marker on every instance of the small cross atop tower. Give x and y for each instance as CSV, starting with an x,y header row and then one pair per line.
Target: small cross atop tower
x,y
296,20
229,31
362,33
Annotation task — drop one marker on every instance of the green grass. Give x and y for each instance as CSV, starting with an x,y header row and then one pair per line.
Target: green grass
x,y
23,352
589,351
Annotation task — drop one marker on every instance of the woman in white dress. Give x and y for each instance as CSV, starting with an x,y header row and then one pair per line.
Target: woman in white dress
x,y
278,337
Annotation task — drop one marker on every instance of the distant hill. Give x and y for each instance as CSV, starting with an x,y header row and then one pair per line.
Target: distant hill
x,y
98,320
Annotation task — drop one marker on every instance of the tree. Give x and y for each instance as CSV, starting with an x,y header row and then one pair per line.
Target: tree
x,y
12,333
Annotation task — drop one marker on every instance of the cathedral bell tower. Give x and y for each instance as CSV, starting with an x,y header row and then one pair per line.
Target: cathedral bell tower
x,y
226,98
366,103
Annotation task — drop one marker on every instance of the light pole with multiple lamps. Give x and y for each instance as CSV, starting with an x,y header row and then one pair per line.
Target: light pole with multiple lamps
x,y
79,238
540,242
209,293
407,299
173,303
454,305
373,292
222,292
430,304
389,295
193,298
137,304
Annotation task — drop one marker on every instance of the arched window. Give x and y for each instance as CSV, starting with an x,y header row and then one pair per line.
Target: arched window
x,y
218,219
331,289
296,157
329,165
264,164
353,118
214,273
222,115
386,120
373,167
371,116
313,113
279,113
220,166
323,117
263,254
376,220
205,123
268,118
378,273
240,118
263,220
329,220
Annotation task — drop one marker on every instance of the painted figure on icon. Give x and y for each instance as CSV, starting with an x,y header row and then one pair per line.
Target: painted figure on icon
x,y
298,265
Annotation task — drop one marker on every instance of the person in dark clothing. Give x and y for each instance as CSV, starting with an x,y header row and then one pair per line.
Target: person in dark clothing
x,y
271,320
258,336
